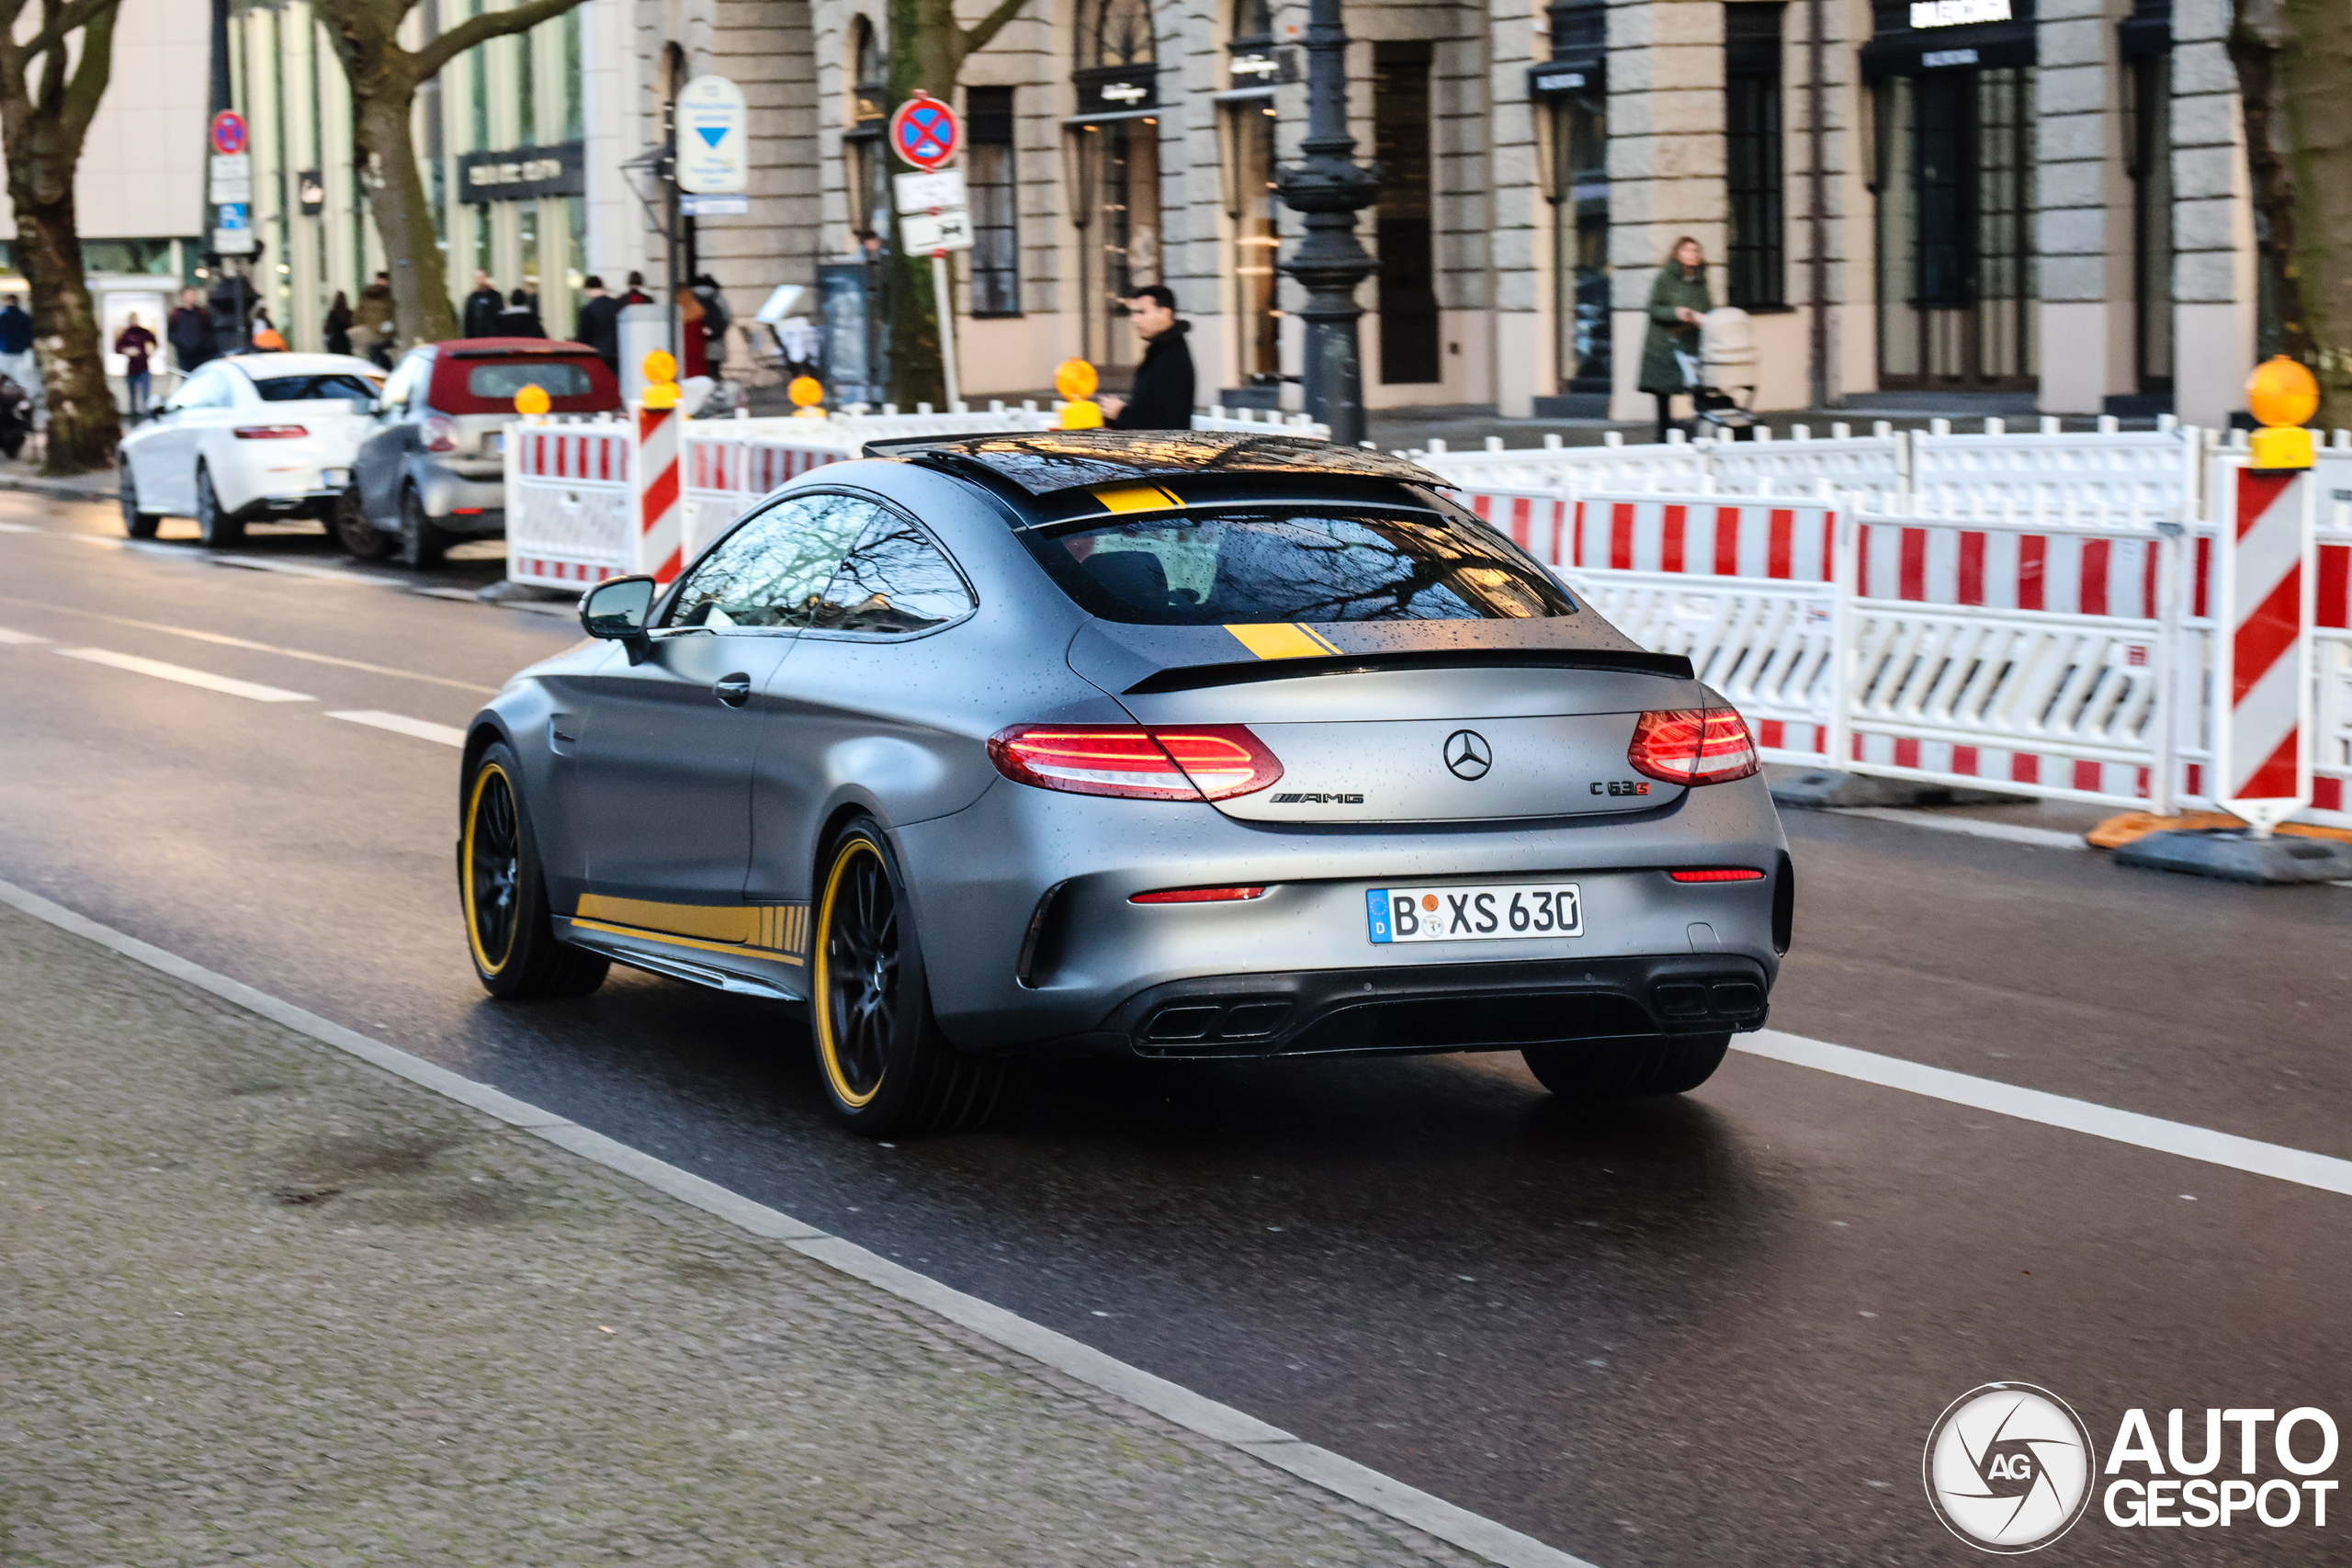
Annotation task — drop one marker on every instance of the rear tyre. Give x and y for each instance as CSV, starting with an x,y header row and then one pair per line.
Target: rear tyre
x,y
355,531
219,527
137,524
504,894
886,1068
1616,1069
422,544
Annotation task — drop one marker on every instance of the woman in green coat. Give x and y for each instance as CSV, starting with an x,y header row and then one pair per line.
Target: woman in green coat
x,y
1676,301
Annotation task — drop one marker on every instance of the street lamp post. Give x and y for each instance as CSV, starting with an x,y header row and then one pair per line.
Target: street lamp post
x,y
1329,187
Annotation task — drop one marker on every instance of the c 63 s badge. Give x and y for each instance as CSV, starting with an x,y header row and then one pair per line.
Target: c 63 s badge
x,y
1311,799
1620,786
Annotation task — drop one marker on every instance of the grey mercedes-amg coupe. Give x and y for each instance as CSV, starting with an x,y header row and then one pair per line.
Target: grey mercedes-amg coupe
x,y
1176,745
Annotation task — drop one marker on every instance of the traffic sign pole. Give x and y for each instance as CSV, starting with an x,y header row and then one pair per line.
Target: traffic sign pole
x,y
945,301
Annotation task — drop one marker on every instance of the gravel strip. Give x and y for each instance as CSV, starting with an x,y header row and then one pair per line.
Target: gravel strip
x,y
266,1305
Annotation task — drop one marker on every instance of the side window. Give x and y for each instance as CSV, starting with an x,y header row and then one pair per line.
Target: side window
x,y
895,582
403,382
202,390
769,572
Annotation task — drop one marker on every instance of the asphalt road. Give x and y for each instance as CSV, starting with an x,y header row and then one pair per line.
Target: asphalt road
x,y
1708,1330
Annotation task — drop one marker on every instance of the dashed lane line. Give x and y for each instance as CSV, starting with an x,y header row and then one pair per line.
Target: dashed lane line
x,y
2274,1161
16,636
400,724
20,528
1475,1533
252,690
224,640
2012,832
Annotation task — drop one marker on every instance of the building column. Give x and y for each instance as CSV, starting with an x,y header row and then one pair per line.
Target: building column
x,y
2083,347
1665,164
2213,260
1519,217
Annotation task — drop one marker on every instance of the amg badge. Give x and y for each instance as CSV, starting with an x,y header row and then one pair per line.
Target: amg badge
x,y
1318,800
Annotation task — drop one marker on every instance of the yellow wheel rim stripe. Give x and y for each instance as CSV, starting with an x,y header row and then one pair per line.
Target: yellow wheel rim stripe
x,y
828,1051
465,870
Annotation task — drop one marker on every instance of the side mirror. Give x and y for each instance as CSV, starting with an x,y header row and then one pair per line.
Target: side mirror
x,y
617,610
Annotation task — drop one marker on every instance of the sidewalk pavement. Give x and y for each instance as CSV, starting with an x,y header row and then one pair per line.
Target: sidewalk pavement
x,y
267,1304
20,474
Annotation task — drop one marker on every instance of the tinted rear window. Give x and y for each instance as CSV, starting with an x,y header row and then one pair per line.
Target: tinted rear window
x,y
557,378
1312,566
341,384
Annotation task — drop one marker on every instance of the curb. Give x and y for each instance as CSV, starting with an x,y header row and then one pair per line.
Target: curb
x,y
1172,1401
58,490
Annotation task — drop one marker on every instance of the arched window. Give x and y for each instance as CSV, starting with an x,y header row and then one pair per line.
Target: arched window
x,y
862,143
866,54
1113,33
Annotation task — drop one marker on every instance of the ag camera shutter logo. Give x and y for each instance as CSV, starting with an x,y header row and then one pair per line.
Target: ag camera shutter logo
x,y
2008,1467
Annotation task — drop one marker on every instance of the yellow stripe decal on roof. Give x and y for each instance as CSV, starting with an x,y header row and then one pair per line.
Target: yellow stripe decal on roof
x,y
1281,639
1136,498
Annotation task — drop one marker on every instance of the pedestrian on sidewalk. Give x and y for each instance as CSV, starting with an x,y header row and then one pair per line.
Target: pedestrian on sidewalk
x,y
484,308
378,329
135,342
339,321
519,318
266,338
16,347
1678,299
1161,395
189,330
599,325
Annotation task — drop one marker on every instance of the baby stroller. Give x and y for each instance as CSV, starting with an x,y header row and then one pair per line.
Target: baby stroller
x,y
1721,374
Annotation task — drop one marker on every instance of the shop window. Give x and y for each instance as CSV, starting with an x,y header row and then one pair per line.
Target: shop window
x,y
992,182
1409,311
1752,154
2148,148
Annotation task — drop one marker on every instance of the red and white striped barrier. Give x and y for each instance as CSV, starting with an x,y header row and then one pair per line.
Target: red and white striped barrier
x,y
659,522
570,489
2265,585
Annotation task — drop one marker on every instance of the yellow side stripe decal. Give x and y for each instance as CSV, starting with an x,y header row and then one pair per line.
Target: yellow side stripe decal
x,y
666,939
775,928
1136,498
1284,640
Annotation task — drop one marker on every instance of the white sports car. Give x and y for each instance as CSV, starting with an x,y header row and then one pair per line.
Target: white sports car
x,y
254,436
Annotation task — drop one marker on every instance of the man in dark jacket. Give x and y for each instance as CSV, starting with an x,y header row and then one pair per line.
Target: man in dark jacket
x,y
1161,398
482,308
191,333
519,319
600,323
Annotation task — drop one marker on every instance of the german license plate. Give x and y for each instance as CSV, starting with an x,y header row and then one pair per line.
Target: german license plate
x,y
334,479
1480,912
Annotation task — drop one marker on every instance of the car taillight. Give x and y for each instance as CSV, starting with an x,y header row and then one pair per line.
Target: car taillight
x,y
1718,874
1197,896
1693,746
270,431
1181,761
440,434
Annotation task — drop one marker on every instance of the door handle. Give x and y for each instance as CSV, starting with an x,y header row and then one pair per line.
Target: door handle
x,y
732,689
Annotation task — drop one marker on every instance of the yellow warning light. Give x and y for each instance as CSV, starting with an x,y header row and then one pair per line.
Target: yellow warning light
x,y
659,368
1076,379
2282,394
806,391
532,399
1081,415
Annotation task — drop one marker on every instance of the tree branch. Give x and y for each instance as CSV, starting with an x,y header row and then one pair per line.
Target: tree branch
x,y
78,14
980,34
88,82
427,62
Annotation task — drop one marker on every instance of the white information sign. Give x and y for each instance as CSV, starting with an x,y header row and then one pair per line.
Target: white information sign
x,y
713,133
928,193
922,233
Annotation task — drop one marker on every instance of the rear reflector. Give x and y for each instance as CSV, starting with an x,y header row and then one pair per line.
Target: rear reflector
x,y
1693,746
1186,761
1718,874
270,431
1198,895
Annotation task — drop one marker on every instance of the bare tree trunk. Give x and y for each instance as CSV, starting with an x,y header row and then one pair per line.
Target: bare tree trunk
x,y
2294,63
404,215
84,426
45,112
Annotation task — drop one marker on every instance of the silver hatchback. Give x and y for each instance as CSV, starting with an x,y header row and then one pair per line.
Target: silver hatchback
x,y
1167,745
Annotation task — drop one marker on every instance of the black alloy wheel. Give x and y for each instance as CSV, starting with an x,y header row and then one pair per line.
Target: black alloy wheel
x,y
137,524
349,526
504,893
886,1068
215,525
422,544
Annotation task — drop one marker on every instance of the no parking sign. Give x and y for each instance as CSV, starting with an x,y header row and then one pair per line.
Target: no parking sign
x,y
924,131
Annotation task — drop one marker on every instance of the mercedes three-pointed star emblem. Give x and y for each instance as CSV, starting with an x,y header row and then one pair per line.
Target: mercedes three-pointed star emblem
x,y
1467,755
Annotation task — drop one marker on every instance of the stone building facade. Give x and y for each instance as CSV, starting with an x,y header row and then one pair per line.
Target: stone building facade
x,y
2016,205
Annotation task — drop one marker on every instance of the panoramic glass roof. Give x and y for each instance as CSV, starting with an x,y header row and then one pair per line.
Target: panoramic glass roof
x,y
1043,462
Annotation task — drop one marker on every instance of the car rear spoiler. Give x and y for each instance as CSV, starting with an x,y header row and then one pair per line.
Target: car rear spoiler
x,y
1633,662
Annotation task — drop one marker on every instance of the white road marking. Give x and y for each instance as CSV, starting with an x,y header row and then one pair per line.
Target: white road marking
x,y
8,636
186,676
400,724
297,568
2015,833
227,642
2275,1160
20,528
1219,1423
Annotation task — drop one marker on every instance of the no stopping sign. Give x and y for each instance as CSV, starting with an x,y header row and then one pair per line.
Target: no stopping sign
x,y
924,131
